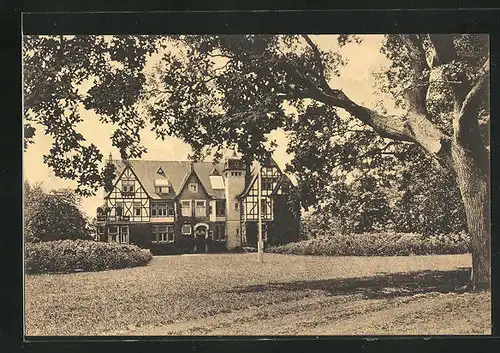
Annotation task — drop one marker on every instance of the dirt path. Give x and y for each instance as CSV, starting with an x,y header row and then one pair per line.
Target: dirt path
x,y
422,314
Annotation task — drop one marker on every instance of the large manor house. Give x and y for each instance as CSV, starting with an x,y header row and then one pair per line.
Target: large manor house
x,y
184,207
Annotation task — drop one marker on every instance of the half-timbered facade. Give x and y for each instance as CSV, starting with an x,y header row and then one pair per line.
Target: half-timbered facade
x,y
177,207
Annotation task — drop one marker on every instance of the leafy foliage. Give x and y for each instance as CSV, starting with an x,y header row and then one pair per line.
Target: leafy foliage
x,y
377,244
350,182
57,73
234,90
53,215
82,255
429,201
399,78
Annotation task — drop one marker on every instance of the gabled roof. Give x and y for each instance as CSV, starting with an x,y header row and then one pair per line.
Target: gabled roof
x,y
254,173
251,179
176,172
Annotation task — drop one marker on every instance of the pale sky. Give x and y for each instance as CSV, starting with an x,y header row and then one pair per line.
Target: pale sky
x,y
356,81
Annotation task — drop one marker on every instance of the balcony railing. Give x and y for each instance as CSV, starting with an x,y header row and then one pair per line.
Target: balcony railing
x,y
128,193
112,218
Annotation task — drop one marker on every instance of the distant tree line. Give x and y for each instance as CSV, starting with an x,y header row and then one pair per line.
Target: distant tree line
x,y
418,198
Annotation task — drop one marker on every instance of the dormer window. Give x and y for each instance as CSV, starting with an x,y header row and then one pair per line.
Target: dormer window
x,y
193,187
162,189
217,182
162,186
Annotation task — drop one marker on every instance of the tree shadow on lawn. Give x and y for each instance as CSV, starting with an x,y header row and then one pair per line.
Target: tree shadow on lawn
x,y
379,286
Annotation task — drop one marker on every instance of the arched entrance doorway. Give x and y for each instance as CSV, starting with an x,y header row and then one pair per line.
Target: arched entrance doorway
x,y
200,235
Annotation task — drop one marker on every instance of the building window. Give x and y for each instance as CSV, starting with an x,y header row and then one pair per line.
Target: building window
x,y
163,233
236,206
137,208
100,230
186,208
162,189
186,229
219,232
162,209
124,235
119,208
220,208
170,233
193,187
263,205
170,209
128,186
112,233
267,184
201,208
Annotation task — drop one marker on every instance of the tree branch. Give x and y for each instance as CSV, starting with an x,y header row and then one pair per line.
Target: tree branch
x,y
415,129
317,55
474,97
465,124
417,96
445,53
444,49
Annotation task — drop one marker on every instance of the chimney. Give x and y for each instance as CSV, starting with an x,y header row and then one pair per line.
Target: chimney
x,y
110,158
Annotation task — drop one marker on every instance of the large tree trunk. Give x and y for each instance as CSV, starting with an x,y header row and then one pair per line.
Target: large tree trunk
x,y
464,152
473,182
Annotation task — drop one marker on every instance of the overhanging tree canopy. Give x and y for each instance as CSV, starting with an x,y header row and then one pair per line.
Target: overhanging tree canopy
x,y
215,90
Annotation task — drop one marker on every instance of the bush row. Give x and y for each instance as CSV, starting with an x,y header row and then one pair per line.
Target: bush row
x,y
82,255
378,244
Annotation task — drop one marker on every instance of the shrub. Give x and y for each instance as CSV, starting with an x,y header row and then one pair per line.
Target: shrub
x,y
378,244
85,255
54,215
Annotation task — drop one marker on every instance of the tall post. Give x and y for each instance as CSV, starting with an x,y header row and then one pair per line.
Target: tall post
x,y
260,243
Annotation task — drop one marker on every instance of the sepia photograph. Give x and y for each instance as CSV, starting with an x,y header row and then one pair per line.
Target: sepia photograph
x,y
256,185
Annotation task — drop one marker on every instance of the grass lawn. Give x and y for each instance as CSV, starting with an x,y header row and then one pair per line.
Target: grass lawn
x,y
232,294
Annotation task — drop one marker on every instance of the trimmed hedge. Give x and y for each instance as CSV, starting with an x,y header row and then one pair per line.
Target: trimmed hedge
x,y
378,244
63,256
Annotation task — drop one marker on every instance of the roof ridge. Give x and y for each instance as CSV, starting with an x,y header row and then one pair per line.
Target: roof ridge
x,y
159,160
